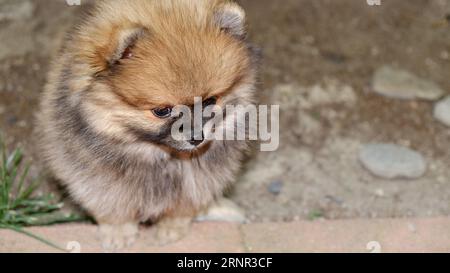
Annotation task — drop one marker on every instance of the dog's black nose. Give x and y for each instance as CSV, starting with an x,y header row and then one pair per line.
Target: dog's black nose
x,y
196,142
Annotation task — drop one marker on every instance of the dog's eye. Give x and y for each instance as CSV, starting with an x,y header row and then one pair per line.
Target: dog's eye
x,y
210,101
162,112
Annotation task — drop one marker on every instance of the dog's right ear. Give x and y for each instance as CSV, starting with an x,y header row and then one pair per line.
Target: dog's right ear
x,y
103,50
230,17
124,43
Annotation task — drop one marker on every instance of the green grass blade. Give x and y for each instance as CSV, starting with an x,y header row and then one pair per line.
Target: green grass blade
x,y
12,167
22,179
19,207
28,191
3,178
29,234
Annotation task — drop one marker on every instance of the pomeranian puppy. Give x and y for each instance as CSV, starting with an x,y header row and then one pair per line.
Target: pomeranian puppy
x,y
105,117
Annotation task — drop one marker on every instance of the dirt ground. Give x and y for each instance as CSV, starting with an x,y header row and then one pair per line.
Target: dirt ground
x,y
328,47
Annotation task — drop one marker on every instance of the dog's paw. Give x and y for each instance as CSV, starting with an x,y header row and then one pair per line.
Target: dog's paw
x,y
117,237
170,230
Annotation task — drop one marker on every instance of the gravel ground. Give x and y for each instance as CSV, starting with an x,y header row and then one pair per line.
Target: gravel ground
x,y
320,57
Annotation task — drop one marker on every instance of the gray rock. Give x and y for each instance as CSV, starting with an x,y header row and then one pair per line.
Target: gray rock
x,y
392,161
441,111
275,187
400,84
16,10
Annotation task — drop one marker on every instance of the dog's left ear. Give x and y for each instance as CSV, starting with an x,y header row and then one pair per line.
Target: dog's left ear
x,y
230,17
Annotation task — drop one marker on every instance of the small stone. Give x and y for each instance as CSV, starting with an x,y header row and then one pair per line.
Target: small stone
x,y
429,62
433,167
412,227
392,161
379,192
441,179
374,51
223,210
22,124
441,111
12,120
332,93
275,187
9,87
308,40
400,84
